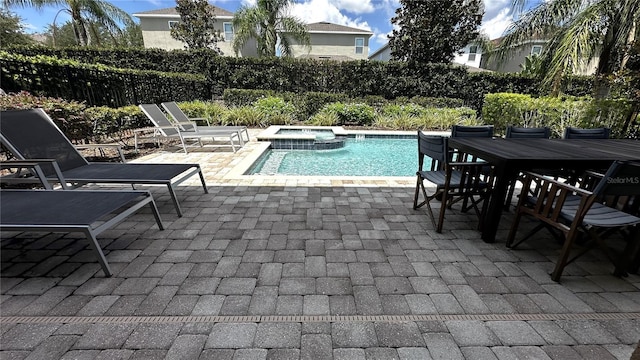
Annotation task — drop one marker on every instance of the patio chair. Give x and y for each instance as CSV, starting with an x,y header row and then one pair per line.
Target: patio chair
x,y
573,211
596,133
89,212
189,124
31,134
514,132
461,131
164,127
454,181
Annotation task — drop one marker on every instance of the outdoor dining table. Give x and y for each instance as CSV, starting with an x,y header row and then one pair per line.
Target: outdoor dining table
x,y
511,156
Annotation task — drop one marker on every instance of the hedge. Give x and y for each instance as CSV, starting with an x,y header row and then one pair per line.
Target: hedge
x,y
358,78
96,84
557,113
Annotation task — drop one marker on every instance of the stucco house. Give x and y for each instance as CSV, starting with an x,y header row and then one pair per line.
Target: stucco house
x,y
533,46
512,64
156,28
334,42
469,56
328,41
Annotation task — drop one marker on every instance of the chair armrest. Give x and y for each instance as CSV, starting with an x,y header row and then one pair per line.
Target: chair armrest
x,y
118,148
34,164
547,203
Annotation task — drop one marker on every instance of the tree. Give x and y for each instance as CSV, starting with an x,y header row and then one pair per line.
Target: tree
x,y
12,30
83,12
269,23
433,31
579,31
196,28
64,36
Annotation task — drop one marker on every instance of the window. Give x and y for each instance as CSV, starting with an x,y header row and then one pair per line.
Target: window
x,y
536,50
473,50
228,31
173,23
359,45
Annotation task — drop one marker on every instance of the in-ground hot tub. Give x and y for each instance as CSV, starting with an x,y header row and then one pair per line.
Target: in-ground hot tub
x,y
304,137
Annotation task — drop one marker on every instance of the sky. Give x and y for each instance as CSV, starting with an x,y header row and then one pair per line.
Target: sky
x,y
373,15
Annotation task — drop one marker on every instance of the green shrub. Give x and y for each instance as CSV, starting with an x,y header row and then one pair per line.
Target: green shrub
x,y
351,114
275,111
244,116
557,113
414,117
408,109
324,118
244,97
312,101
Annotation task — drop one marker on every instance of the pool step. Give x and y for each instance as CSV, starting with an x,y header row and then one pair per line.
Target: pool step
x,y
273,163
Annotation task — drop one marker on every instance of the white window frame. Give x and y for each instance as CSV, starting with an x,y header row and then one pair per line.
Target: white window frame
x,y
361,47
172,23
534,47
224,31
473,50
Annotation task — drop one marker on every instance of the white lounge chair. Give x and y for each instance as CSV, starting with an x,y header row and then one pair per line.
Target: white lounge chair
x,y
164,127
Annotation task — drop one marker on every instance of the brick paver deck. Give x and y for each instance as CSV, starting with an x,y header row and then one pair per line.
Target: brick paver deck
x,y
304,268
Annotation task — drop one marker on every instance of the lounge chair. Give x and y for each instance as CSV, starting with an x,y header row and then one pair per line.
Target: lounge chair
x,y
89,212
188,124
165,128
31,134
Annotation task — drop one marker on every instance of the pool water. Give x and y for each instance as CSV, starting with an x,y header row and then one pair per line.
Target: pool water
x,y
359,157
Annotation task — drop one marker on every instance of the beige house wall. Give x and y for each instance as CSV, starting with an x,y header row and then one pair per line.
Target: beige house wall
x,y
333,44
518,58
157,34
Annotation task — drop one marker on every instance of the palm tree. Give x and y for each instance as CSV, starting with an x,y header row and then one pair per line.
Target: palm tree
x,y
83,13
267,23
579,31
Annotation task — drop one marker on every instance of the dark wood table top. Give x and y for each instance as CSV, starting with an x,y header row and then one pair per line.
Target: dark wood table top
x,y
501,150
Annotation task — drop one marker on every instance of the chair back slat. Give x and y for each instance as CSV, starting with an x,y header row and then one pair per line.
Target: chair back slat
x,y
179,116
31,134
577,133
159,119
460,131
434,147
514,132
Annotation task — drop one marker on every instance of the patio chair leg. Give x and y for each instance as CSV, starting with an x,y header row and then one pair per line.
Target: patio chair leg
x,y
174,198
564,255
93,243
156,214
204,185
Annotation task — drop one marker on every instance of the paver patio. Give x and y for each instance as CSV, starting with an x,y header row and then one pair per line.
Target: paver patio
x,y
313,268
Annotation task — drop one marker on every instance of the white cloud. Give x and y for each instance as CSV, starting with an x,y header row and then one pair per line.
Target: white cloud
x,y
354,6
313,11
497,17
495,26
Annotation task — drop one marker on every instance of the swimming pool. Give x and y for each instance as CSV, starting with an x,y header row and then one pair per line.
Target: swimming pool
x,y
361,156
